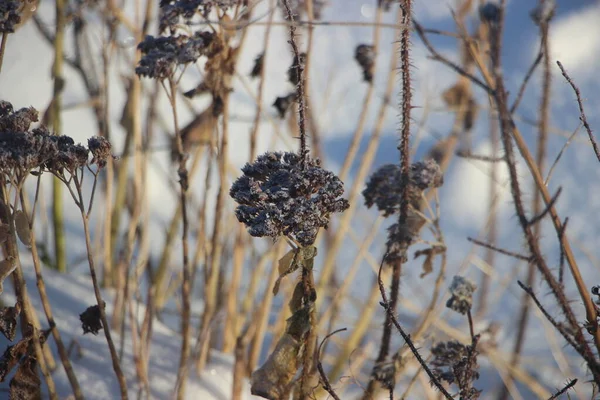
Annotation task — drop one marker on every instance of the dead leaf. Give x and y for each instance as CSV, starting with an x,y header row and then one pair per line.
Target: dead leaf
x,y
7,266
22,225
286,265
4,232
26,384
429,254
8,321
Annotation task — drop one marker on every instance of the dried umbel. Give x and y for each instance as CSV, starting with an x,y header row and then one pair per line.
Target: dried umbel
x,y
100,148
365,56
23,150
279,195
162,55
461,291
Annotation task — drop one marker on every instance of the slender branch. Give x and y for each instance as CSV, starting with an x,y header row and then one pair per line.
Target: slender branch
x,y
385,304
564,390
546,210
582,117
528,76
324,380
499,250
299,65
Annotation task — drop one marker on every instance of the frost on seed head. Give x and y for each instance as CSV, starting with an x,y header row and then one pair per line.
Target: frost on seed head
x,y
276,196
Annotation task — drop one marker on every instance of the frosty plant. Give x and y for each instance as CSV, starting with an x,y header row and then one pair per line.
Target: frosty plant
x,y
290,195
24,152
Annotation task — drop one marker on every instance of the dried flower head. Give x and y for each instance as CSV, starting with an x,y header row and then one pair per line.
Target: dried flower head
x,y
282,104
90,320
365,56
176,12
461,290
278,196
543,12
161,55
100,148
9,15
258,66
384,188
490,12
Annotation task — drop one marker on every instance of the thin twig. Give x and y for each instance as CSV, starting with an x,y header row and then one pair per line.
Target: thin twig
x,y
499,250
564,390
324,380
528,76
467,154
407,339
582,117
546,210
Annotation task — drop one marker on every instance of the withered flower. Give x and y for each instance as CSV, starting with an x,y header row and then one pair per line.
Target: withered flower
x,y
100,149
365,56
161,55
282,104
461,290
456,363
258,66
9,15
278,197
90,320
8,321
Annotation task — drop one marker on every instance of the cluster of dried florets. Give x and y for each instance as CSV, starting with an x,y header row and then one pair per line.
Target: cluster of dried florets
x,y
365,56
456,363
461,291
162,55
175,12
384,190
9,15
279,195
23,150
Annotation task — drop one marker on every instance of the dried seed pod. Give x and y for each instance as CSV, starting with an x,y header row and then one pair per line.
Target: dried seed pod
x,y
365,56
22,226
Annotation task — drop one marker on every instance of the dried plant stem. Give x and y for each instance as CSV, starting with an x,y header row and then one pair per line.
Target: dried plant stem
x,y
362,119
62,351
358,184
544,120
301,98
28,315
3,47
386,305
212,274
509,132
85,215
186,289
582,116
60,243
